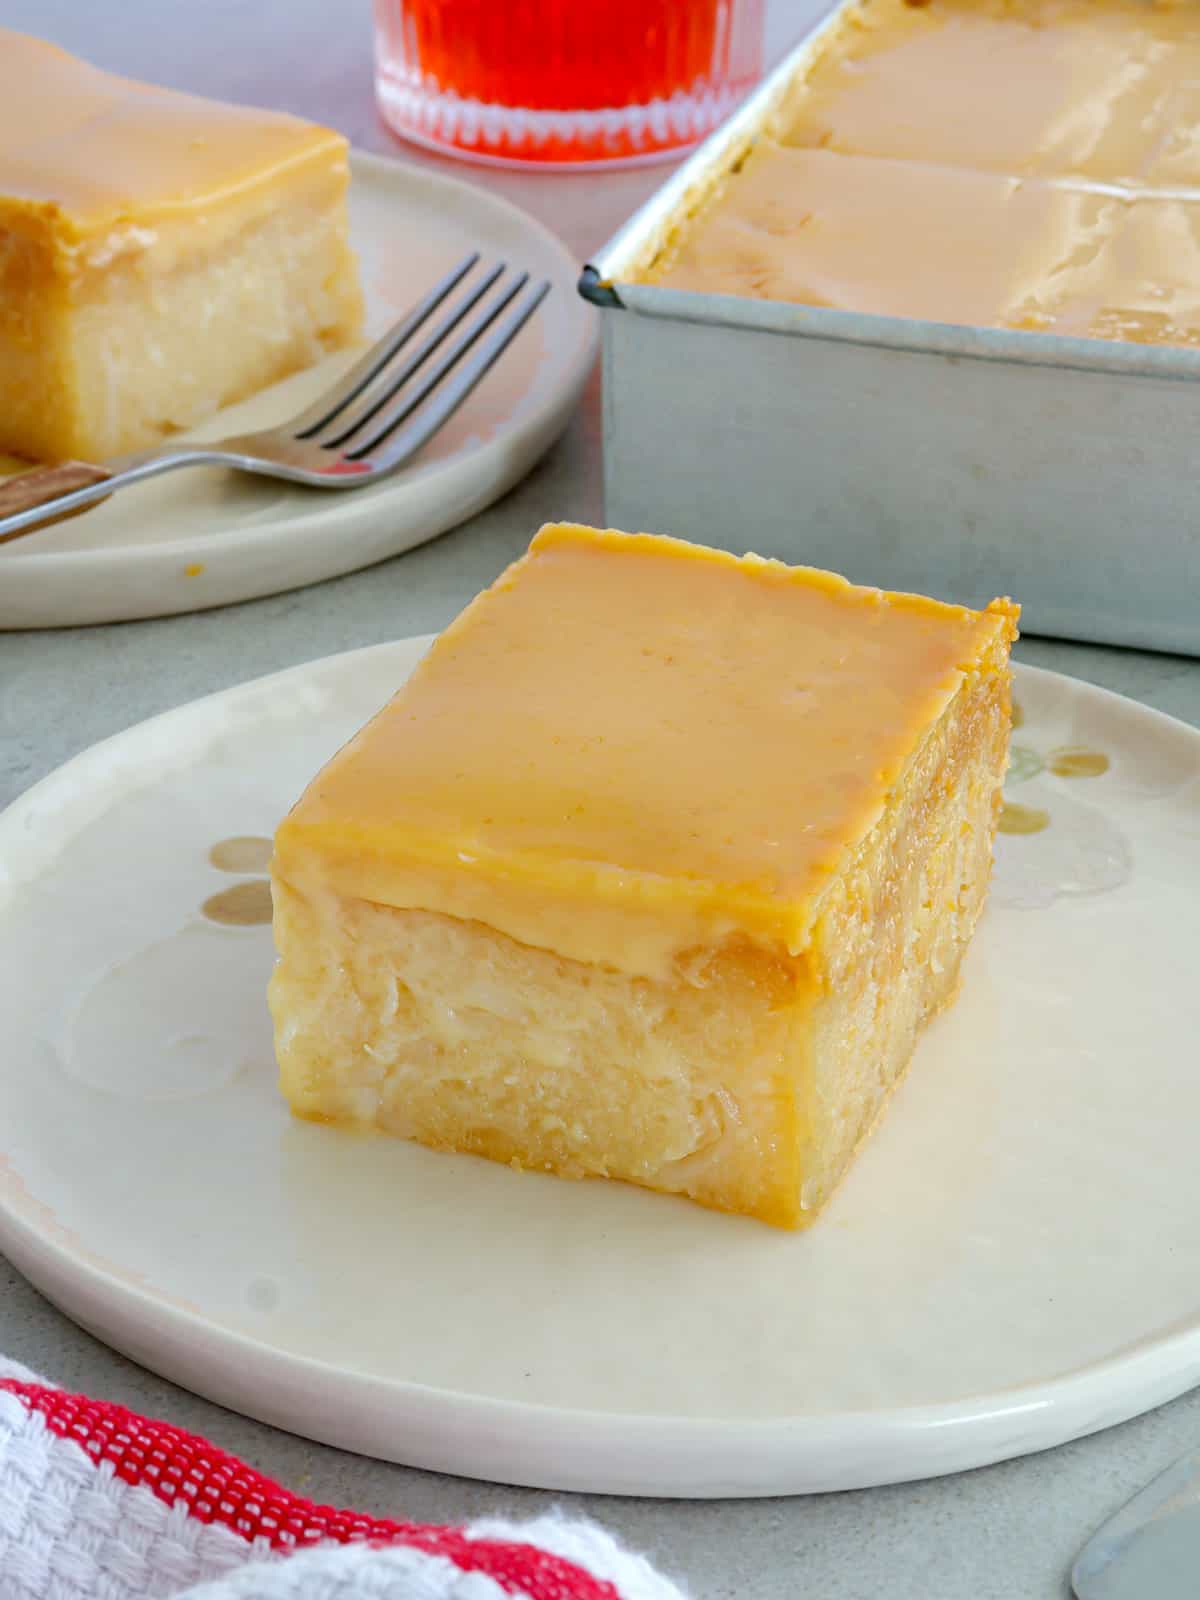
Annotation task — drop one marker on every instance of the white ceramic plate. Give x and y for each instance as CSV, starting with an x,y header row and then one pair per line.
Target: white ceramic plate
x,y
207,537
1013,1260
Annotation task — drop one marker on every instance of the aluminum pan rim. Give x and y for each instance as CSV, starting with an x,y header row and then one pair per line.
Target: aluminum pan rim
x,y
599,280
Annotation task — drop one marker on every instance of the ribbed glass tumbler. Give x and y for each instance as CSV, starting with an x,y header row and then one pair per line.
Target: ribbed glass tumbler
x,y
560,83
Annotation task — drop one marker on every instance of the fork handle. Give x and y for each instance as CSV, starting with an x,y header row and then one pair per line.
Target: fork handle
x,y
68,488
44,485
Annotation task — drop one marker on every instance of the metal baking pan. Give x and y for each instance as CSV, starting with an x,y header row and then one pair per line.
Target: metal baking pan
x,y
956,461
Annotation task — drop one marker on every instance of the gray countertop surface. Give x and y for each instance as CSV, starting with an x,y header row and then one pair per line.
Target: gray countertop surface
x,y
1002,1533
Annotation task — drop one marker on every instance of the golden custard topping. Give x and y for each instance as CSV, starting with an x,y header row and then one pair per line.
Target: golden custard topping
x,y
744,731
1011,163
99,150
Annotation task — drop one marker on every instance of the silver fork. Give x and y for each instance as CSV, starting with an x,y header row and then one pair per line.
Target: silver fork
x,y
376,419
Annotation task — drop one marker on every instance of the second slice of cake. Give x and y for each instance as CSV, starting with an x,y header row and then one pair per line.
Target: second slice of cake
x,y
161,256
654,870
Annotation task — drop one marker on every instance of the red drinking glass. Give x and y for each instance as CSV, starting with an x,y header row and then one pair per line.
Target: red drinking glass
x,y
559,82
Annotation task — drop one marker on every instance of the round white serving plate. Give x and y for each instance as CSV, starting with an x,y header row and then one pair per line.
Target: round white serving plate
x,y
1013,1260
206,536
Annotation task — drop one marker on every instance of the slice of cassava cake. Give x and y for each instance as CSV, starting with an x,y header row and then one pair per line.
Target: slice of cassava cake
x,y
654,870
161,256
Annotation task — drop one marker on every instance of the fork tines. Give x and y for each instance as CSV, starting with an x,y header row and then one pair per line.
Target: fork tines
x,y
364,418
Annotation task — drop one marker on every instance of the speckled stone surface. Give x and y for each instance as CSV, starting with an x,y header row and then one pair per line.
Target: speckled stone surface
x,y
1003,1533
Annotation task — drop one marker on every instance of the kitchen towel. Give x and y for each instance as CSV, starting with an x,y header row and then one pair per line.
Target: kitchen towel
x,y
98,1503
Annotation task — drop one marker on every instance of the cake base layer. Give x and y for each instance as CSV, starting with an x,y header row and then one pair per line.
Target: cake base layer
x,y
455,1035
116,355
744,1080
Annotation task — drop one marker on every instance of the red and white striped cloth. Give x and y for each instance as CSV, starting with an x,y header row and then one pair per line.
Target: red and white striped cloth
x,y
97,1503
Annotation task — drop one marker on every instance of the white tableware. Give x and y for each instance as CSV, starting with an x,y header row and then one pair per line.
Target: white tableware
x,y
1012,1261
